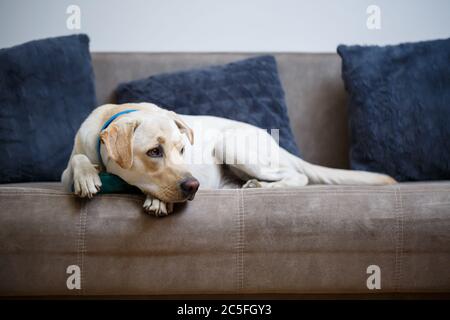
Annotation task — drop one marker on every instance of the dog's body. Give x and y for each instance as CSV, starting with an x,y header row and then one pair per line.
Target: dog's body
x,y
154,149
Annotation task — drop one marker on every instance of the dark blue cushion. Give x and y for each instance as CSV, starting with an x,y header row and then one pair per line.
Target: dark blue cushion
x,y
399,108
46,91
248,90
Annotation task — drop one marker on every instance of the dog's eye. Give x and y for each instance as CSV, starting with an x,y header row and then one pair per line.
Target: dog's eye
x,y
155,152
182,150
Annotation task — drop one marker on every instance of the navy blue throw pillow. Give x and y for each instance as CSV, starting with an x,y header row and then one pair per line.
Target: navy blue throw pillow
x,y
399,108
46,91
248,90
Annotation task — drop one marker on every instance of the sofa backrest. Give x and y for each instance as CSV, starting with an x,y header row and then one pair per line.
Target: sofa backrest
x,y
312,82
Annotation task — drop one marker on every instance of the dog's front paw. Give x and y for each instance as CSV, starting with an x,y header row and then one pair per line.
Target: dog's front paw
x,y
86,182
157,207
253,183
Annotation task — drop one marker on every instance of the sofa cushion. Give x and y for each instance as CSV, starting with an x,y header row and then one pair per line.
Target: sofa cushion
x,y
46,91
248,90
399,110
315,239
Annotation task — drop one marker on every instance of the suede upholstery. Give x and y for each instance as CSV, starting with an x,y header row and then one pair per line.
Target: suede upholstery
x,y
315,239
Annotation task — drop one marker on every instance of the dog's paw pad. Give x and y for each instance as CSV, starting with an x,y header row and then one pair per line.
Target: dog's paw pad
x,y
253,183
157,207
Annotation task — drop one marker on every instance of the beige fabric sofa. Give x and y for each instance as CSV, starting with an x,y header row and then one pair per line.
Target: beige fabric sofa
x,y
303,241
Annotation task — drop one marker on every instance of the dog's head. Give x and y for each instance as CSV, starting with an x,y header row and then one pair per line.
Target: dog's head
x,y
146,150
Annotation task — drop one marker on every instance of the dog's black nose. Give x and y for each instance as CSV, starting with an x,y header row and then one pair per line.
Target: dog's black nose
x,y
189,187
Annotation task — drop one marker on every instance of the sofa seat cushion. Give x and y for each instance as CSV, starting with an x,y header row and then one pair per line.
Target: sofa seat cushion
x,y
26,186
316,239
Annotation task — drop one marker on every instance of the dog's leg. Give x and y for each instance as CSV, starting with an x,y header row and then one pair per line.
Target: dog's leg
x,y
289,171
157,207
255,165
67,178
293,180
86,181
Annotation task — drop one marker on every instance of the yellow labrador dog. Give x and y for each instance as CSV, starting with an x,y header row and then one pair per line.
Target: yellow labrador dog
x,y
155,150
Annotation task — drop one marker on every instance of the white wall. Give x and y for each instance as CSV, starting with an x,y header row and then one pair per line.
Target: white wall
x,y
226,25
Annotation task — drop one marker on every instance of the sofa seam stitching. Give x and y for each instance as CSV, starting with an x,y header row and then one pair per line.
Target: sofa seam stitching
x,y
236,279
254,194
396,208
402,239
243,240
399,240
342,192
80,223
239,262
137,198
82,242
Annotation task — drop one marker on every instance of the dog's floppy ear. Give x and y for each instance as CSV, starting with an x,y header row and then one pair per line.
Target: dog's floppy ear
x,y
184,128
118,140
